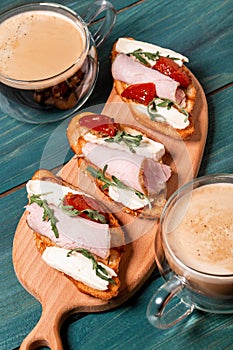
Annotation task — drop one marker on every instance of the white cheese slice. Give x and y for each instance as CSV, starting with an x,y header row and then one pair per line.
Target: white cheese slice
x,y
147,148
77,266
172,116
125,46
127,197
51,191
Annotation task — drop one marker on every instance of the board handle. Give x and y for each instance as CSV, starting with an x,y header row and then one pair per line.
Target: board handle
x,y
45,333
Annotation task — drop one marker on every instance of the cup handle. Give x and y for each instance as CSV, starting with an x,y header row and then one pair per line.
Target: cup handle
x,y
106,25
163,311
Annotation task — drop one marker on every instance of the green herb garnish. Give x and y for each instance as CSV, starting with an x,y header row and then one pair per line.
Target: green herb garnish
x,y
130,140
173,58
92,214
99,269
165,103
48,212
100,175
141,56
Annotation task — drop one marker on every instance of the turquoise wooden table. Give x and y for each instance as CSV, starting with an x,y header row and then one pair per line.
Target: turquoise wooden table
x,y
201,30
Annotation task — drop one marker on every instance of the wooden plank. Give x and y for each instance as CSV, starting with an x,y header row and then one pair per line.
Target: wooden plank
x,y
127,328
57,294
14,314
203,32
218,154
192,38
78,6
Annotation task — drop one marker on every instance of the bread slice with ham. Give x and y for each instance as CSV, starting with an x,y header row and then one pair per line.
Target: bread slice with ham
x,y
75,234
124,164
156,84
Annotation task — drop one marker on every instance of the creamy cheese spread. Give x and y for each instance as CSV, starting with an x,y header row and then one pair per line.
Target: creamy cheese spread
x,y
126,46
76,266
147,148
172,116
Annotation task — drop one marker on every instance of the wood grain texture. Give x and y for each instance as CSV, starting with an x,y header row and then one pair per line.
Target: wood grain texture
x,y
57,294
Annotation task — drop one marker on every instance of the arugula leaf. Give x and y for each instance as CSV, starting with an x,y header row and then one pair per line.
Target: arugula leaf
x,y
100,175
99,269
48,212
140,55
173,58
165,103
131,141
92,214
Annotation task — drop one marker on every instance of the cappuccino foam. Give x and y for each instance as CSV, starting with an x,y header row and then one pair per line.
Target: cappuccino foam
x,y
36,45
200,232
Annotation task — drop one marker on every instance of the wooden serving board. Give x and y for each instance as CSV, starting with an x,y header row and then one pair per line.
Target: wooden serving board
x,y
57,294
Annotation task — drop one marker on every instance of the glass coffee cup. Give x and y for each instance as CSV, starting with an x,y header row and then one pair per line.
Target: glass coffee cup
x,y
48,59
194,251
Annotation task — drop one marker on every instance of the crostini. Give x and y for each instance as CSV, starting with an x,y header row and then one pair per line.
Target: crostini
x,y
156,84
124,163
75,235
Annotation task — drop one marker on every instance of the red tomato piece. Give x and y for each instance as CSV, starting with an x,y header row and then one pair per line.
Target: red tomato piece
x,y
100,123
142,93
168,66
82,202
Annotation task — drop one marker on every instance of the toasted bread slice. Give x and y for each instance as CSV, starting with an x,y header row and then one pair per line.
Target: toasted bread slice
x,y
160,126
75,134
112,261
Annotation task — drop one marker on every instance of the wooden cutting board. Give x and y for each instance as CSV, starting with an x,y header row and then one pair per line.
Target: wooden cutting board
x,y
57,294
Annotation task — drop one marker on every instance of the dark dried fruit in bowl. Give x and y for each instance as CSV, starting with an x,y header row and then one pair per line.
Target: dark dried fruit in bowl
x,y
62,96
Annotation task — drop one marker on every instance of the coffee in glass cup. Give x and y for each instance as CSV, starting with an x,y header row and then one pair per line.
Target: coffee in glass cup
x,y
48,59
194,251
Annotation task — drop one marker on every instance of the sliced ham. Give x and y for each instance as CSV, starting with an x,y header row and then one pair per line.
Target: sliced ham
x,y
128,168
180,97
74,232
130,72
125,166
155,176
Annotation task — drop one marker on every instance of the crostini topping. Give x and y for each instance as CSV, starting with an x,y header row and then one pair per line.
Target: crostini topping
x,y
127,198
131,72
76,204
114,181
131,141
79,267
155,176
99,269
147,148
126,166
143,56
70,231
170,68
157,103
51,191
74,232
142,93
171,116
48,214
100,123
126,46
